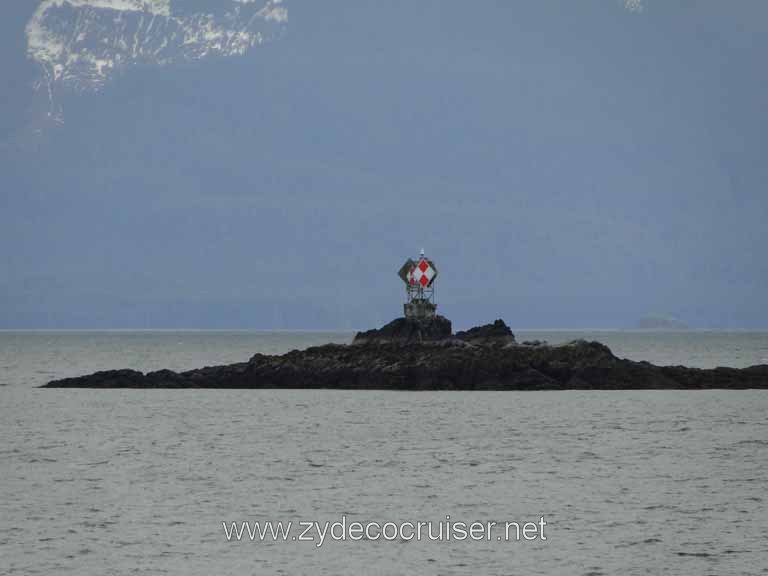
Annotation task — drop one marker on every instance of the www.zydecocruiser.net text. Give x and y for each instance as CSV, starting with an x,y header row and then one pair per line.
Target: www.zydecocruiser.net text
x,y
344,530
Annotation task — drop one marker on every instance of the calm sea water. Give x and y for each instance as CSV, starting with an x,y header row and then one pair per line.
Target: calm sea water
x,y
139,482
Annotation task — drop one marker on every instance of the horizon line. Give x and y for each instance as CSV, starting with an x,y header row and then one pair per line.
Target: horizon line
x,y
345,330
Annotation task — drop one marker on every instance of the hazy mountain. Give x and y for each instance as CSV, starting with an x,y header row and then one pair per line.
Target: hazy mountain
x,y
81,44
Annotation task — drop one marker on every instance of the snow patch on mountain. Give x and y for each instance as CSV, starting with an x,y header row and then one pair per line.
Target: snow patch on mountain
x,y
81,44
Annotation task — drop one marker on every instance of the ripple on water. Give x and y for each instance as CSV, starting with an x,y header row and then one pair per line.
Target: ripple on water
x,y
142,480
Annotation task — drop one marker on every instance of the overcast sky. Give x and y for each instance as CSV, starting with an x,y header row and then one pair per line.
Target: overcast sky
x,y
573,164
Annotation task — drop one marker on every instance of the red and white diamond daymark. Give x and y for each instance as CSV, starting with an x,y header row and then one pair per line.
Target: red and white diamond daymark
x,y
422,273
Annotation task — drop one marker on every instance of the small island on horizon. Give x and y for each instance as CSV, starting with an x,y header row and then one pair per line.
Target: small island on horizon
x,y
419,351
410,354
661,322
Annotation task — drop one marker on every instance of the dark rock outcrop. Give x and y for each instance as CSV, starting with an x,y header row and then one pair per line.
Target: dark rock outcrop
x,y
408,330
490,334
486,358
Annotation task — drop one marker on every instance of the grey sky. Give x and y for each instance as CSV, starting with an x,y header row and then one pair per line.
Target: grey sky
x,y
574,164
